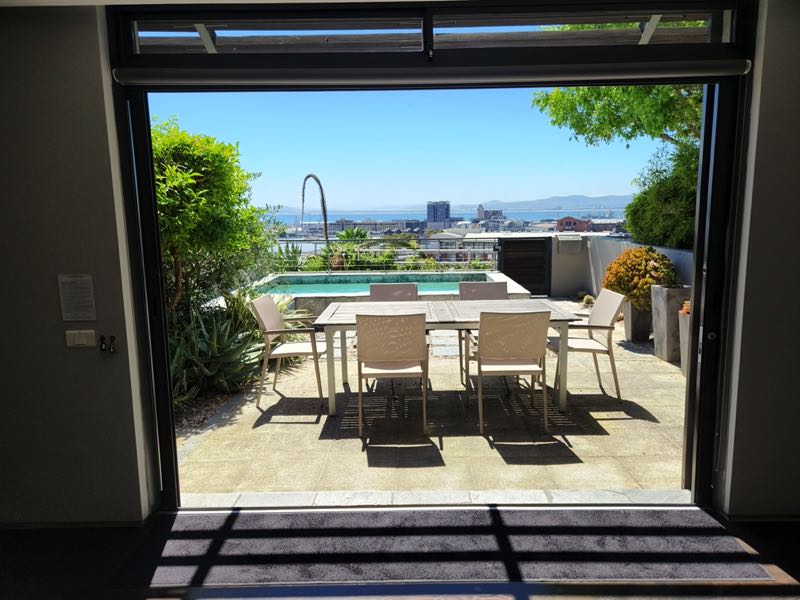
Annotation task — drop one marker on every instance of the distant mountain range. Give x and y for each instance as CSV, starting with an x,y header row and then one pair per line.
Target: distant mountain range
x,y
553,203
577,204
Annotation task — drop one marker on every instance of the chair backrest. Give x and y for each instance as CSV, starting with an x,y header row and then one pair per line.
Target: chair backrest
x,y
482,290
268,315
382,292
385,338
606,308
513,336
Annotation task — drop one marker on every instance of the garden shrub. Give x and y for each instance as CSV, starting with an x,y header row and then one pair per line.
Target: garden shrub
x,y
634,271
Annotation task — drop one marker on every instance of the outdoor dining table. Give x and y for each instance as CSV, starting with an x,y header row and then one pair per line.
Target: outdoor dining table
x,y
439,314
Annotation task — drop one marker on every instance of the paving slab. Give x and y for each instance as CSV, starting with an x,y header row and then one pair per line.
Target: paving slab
x,y
288,452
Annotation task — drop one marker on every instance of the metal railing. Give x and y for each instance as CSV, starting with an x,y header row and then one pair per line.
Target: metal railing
x,y
382,254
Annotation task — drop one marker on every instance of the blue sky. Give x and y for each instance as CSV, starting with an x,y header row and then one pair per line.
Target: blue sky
x,y
380,150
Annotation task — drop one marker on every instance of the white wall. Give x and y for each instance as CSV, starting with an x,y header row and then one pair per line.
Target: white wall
x,y
71,435
761,471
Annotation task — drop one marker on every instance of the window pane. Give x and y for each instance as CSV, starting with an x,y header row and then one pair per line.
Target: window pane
x,y
496,31
298,35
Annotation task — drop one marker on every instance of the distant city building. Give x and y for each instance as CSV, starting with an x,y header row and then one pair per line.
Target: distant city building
x,y
573,224
438,215
580,225
606,224
488,214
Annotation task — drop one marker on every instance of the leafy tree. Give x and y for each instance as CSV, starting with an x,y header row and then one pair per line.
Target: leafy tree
x,y
662,213
602,114
210,234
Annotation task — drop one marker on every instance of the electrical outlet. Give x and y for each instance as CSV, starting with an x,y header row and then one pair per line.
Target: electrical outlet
x,y
80,338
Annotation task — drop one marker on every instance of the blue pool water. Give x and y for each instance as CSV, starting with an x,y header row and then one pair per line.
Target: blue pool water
x,y
339,289
346,284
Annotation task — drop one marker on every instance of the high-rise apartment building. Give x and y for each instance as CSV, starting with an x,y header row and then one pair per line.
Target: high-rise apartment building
x,y
438,212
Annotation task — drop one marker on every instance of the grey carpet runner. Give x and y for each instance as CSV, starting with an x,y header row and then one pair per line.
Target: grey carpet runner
x,y
459,545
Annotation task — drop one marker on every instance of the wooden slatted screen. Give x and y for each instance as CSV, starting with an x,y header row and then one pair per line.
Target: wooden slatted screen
x,y
526,261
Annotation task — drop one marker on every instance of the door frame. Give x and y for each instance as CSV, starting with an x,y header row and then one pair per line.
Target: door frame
x,y
718,207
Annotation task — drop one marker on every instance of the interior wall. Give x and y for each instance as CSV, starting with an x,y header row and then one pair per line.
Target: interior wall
x,y
760,472
72,440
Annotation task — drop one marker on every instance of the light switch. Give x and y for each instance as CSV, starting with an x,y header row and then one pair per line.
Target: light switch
x,y
80,338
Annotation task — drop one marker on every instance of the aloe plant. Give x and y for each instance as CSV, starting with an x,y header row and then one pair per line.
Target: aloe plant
x,y
218,348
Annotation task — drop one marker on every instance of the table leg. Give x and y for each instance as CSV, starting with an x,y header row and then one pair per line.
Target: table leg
x,y
330,334
562,366
343,344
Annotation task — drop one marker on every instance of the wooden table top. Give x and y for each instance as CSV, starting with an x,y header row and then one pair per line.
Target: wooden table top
x,y
437,312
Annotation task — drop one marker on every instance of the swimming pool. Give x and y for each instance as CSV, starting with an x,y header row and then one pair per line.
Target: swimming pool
x,y
312,292
355,284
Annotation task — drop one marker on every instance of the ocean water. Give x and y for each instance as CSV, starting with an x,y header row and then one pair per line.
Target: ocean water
x,y
311,216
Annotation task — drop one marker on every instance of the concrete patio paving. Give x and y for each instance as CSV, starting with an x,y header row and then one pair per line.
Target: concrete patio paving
x,y
289,452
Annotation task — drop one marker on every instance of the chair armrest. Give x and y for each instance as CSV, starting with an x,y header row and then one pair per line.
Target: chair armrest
x,y
290,331
587,326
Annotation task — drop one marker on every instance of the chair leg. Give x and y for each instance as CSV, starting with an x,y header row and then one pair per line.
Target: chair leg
x,y
277,370
533,384
461,355
425,402
360,404
480,400
319,380
557,378
467,382
597,370
544,393
264,371
614,372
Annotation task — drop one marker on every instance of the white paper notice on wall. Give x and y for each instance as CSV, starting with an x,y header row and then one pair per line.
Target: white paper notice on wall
x,y
77,297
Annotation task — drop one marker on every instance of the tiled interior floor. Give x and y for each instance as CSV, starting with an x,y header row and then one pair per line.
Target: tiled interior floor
x,y
289,452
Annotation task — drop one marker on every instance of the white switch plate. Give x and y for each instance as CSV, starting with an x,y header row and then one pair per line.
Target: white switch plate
x,y
80,338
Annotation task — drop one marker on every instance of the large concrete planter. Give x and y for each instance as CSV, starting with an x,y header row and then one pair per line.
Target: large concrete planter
x,y
667,301
684,329
637,323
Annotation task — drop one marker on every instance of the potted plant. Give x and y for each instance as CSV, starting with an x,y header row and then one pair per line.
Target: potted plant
x,y
684,329
633,273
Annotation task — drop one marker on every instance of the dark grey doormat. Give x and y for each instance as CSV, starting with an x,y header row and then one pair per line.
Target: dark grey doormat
x,y
427,545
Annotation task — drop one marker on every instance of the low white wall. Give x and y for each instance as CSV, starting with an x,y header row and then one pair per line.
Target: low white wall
x,y
603,250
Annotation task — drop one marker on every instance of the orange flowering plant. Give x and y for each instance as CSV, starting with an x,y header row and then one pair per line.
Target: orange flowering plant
x,y
635,270
686,307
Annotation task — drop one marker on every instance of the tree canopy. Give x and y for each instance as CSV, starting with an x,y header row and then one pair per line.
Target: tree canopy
x,y
662,213
210,233
602,114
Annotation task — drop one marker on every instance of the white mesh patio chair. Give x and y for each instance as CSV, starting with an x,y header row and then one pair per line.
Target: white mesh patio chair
x,y
602,319
512,344
476,290
392,347
388,292
273,326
